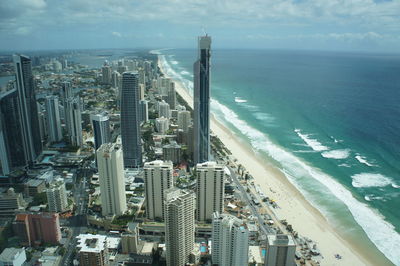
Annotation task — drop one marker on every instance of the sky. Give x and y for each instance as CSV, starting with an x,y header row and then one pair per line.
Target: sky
x,y
350,25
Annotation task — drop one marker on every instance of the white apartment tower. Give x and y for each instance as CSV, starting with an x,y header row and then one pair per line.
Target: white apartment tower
x,y
184,120
158,177
210,190
110,164
57,197
163,110
179,225
230,240
281,250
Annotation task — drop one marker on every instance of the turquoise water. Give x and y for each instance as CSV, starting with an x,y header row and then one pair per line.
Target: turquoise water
x,y
329,121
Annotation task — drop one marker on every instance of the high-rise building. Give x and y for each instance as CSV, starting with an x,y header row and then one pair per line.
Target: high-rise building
x,y
57,197
73,119
53,119
144,111
158,177
281,250
210,190
162,125
106,74
101,129
163,110
179,225
11,147
230,241
92,250
112,180
31,138
130,120
202,101
184,120
172,152
171,97
115,79
37,228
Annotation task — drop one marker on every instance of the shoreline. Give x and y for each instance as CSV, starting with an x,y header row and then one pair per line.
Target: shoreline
x,y
305,218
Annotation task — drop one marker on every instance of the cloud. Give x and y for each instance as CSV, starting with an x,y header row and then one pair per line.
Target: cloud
x,y
116,34
340,20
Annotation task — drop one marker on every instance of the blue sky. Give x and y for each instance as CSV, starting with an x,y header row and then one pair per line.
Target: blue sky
x,y
361,25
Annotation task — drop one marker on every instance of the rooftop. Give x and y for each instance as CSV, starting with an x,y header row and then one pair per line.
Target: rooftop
x,y
9,254
91,243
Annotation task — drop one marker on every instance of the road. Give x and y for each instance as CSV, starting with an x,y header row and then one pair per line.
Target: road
x,y
245,196
77,223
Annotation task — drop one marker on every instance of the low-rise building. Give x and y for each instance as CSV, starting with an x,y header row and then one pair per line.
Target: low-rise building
x,y
13,257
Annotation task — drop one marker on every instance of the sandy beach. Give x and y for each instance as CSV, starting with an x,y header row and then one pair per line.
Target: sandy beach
x,y
294,208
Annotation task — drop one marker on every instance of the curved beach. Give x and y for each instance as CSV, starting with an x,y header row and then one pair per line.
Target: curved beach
x,y
294,208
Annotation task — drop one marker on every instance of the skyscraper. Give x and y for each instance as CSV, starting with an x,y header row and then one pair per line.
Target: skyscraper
x,y
101,129
106,74
112,179
130,120
281,250
179,225
184,120
163,110
210,190
171,97
230,241
144,111
53,119
11,146
158,177
73,119
202,101
31,139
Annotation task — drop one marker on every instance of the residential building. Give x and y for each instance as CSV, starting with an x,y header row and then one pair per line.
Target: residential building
x,y
202,101
28,112
158,177
112,181
13,257
73,118
184,120
172,152
92,250
162,125
144,111
171,97
163,110
179,225
53,119
130,120
230,240
57,196
281,250
12,152
210,190
38,228
101,129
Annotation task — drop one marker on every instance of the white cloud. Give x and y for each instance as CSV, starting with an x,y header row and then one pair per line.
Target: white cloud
x,y
116,34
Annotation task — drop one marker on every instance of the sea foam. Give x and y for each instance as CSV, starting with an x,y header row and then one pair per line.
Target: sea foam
x,y
363,160
313,143
366,180
240,100
336,154
381,233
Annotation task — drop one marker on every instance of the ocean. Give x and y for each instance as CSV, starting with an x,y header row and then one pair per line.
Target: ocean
x,y
330,121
